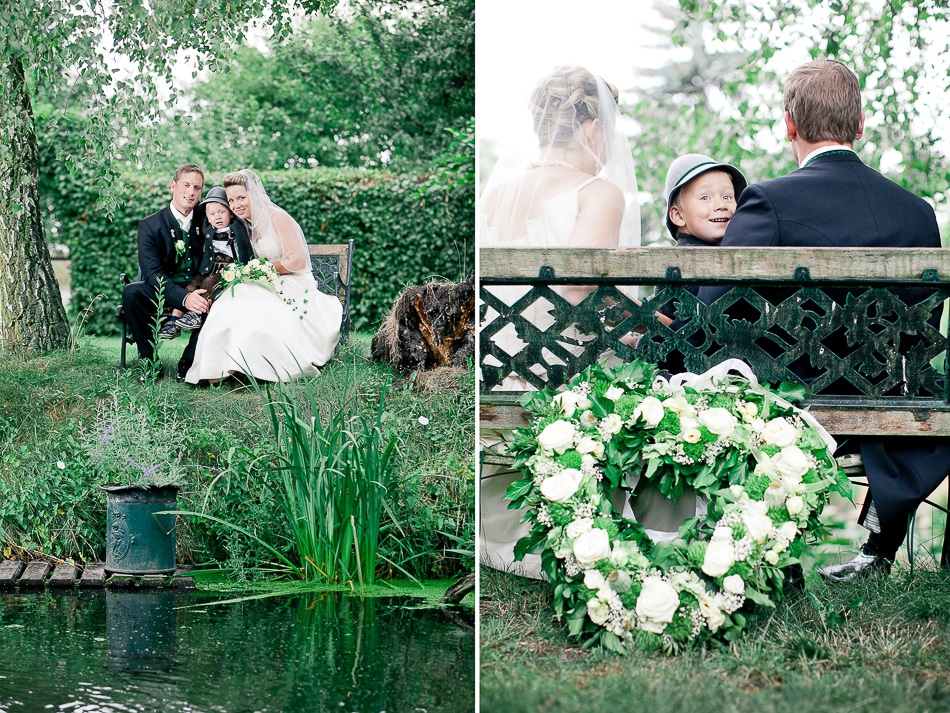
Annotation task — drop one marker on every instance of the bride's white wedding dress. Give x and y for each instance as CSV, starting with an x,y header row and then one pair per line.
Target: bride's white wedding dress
x,y
252,330
499,527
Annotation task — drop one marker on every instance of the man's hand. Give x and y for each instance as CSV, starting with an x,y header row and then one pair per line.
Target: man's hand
x,y
195,302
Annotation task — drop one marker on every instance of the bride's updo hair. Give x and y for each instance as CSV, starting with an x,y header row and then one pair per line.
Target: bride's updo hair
x,y
566,98
235,179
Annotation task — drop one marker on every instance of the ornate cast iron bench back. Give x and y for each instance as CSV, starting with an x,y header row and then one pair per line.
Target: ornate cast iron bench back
x,y
860,328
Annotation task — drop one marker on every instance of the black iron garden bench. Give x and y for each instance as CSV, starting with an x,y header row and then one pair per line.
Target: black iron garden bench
x,y
859,328
332,268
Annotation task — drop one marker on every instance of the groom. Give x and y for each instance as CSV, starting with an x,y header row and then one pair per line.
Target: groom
x,y
168,244
834,200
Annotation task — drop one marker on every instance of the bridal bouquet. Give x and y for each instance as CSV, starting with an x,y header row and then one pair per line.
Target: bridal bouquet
x,y
257,271
762,467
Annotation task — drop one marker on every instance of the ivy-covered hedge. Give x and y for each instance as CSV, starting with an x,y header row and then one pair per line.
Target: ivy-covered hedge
x,y
407,231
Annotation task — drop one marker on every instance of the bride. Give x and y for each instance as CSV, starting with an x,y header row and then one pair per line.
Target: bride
x,y
580,191
253,330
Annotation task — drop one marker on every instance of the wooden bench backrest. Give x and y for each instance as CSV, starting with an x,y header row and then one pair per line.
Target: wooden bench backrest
x,y
845,319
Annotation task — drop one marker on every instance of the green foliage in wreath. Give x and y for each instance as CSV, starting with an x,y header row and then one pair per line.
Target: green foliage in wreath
x,y
762,467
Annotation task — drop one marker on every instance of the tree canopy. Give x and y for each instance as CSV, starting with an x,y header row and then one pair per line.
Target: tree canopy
x,y
371,88
721,94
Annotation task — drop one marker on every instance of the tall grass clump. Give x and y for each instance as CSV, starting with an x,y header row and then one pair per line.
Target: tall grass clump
x,y
334,472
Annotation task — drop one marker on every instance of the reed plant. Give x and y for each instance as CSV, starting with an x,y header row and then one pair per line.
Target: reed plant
x,y
334,467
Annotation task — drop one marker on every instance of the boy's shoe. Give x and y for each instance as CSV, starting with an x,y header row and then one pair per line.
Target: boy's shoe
x,y
170,330
189,321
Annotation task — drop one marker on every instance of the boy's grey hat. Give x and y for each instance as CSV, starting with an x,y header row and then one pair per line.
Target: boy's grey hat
x,y
216,195
685,169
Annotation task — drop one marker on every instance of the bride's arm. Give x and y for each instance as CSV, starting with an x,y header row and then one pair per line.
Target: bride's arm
x,y
600,207
294,256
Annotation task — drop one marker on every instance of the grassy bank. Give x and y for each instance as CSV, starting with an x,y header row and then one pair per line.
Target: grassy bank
x,y
870,646
51,506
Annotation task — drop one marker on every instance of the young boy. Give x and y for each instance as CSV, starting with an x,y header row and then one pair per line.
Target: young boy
x,y
701,197
220,235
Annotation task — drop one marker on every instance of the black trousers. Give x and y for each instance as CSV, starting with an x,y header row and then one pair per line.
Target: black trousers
x,y
138,302
902,471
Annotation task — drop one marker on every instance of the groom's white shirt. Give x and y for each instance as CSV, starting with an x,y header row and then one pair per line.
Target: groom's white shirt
x,y
824,149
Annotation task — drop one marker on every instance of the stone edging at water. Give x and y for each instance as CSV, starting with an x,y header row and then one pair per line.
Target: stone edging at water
x,y
41,575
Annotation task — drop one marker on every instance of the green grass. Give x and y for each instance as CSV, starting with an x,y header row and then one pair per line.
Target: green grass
x,y
51,506
871,646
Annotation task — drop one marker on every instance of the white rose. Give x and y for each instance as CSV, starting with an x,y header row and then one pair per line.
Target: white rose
x,y
691,435
588,419
598,610
792,483
561,486
246,270
779,432
586,445
588,460
771,557
757,522
794,505
757,425
748,410
788,531
598,450
614,393
720,556
567,402
657,603
737,491
734,584
792,462
557,436
722,532
719,421
612,423
650,411
711,613
578,527
592,546
594,579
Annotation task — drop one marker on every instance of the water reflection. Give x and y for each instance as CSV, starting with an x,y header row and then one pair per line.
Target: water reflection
x,y
156,651
141,628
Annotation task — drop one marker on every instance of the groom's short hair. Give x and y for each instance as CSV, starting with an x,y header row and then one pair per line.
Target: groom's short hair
x,y
824,100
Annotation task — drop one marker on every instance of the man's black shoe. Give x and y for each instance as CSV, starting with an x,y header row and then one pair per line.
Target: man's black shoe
x,y
867,563
181,372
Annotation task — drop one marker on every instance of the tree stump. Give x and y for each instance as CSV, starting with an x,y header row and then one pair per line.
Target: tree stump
x,y
429,327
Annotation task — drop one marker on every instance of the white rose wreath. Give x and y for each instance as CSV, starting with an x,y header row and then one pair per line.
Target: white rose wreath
x,y
764,466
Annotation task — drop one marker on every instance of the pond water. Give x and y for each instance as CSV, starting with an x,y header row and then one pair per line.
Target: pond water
x,y
159,651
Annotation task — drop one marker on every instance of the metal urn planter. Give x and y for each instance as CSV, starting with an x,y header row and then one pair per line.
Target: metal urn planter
x,y
137,540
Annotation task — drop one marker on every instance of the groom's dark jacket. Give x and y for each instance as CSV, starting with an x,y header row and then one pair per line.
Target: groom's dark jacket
x,y
158,259
837,201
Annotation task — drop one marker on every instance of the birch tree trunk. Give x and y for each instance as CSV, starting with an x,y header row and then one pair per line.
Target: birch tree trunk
x,y
32,316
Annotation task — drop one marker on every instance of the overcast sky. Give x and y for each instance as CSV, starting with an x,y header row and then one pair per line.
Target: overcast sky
x,y
519,41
